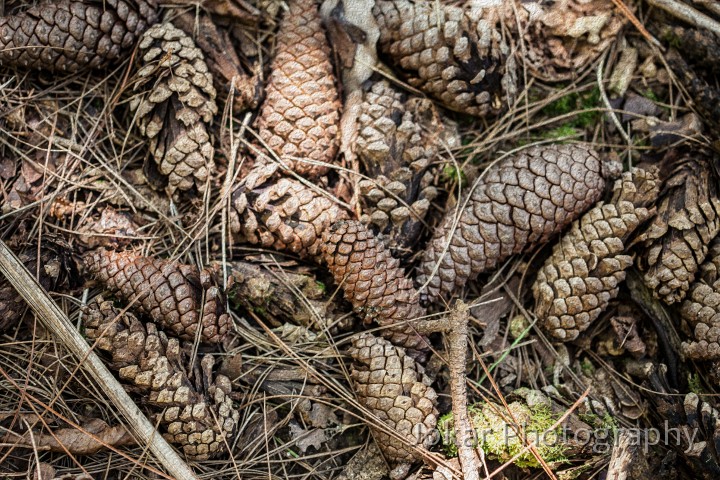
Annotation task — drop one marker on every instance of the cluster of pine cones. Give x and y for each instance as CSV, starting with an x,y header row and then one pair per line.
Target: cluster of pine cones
x,y
353,186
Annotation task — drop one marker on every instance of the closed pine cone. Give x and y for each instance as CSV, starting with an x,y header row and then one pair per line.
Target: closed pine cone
x,y
390,384
373,282
588,264
456,55
300,116
398,141
676,242
54,268
285,215
167,291
176,107
523,200
200,419
71,35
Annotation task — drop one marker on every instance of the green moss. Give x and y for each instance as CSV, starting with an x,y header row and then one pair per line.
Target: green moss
x,y
452,174
562,131
695,384
500,440
580,103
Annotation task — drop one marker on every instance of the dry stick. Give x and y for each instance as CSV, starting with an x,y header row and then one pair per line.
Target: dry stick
x,y
58,323
687,14
464,438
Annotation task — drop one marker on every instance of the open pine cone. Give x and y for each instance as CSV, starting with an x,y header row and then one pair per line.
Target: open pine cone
x,y
588,264
398,141
523,200
373,282
458,56
71,35
176,109
197,416
395,389
300,116
170,293
285,215
676,242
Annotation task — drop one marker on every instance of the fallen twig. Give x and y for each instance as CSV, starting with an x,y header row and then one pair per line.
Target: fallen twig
x,y
687,14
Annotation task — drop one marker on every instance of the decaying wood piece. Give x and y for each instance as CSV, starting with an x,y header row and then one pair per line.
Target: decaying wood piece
x,y
675,242
58,323
282,296
628,461
198,416
587,265
299,118
70,35
175,109
390,384
374,283
521,201
458,56
178,297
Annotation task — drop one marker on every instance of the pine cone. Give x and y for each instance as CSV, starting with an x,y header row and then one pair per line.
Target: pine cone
x,y
177,108
299,119
523,200
395,389
53,269
285,215
398,141
676,242
586,267
71,35
457,56
167,291
373,282
198,418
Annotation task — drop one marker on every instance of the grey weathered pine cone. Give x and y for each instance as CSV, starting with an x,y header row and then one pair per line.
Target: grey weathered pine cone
x,y
587,265
374,283
198,416
701,310
178,297
458,56
300,116
399,143
52,265
72,35
395,389
285,215
174,108
521,201
676,241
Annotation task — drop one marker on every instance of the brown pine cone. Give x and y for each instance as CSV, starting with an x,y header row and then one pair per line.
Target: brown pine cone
x,y
70,35
521,201
395,389
458,56
176,109
54,268
676,242
299,119
167,291
285,215
398,141
373,282
200,418
588,264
